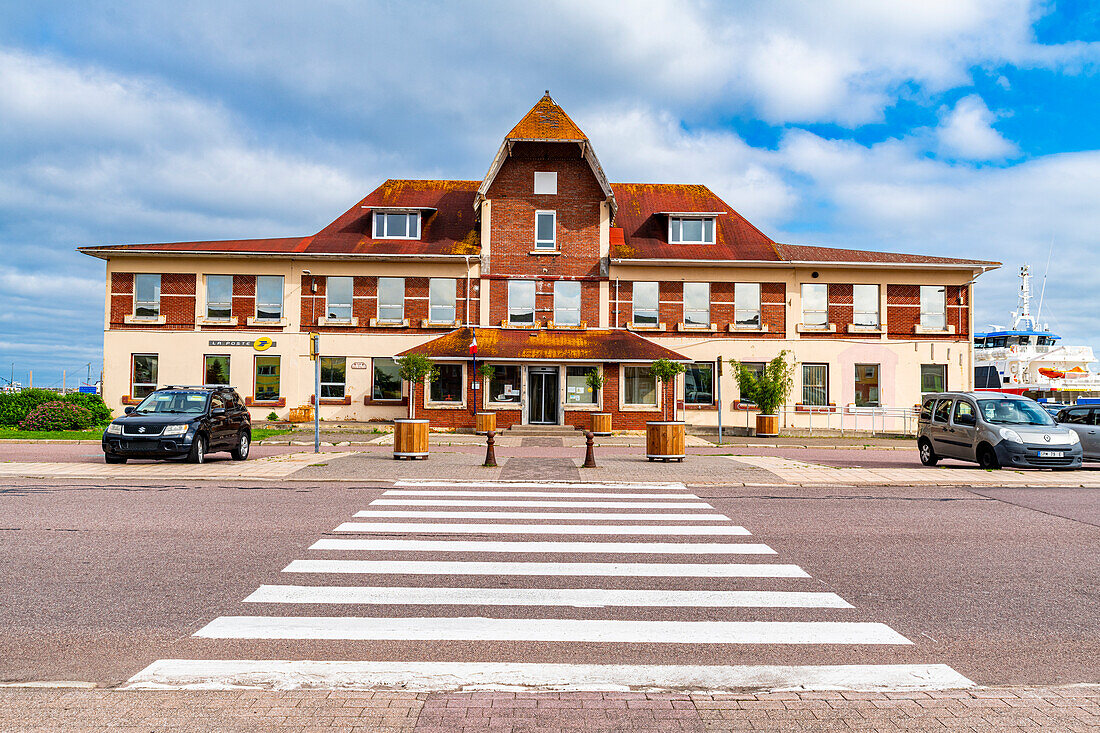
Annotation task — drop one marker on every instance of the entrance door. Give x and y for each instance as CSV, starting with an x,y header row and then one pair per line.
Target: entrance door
x,y
542,395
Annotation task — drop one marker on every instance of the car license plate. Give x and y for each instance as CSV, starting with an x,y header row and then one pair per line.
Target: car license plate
x,y
1051,454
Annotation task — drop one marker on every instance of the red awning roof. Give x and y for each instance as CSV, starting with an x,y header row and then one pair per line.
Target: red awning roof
x,y
501,344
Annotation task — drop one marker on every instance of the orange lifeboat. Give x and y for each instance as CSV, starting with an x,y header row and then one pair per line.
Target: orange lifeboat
x,y
1051,373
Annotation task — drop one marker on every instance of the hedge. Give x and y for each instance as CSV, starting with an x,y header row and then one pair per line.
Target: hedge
x,y
16,406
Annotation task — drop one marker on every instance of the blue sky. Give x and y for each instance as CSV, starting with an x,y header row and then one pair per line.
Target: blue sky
x,y
943,127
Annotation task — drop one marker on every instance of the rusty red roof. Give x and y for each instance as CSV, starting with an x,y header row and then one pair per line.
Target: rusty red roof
x,y
645,229
808,253
287,245
546,121
500,344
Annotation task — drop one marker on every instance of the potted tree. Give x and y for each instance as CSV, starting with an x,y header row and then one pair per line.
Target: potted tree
x,y
410,436
601,421
769,391
485,421
665,440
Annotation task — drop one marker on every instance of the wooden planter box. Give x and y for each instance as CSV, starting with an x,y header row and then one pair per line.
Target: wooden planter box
x,y
601,423
664,441
767,426
485,421
410,438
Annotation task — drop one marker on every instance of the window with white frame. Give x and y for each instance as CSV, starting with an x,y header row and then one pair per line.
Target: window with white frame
x,y
815,304
143,375
397,225
546,226
815,384
338,298
933,307
441,299
504,384
639,386
697,305
333,377
146,295
391,299
219,297
386,382
521,302
269,298
567,303
645,295
447,387
746,305
865,302
577,389
691,230
546,182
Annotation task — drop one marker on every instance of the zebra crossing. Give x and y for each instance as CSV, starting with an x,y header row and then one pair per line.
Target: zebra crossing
x,y
587,591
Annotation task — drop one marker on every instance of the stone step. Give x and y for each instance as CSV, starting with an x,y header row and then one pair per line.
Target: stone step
x,y
541,430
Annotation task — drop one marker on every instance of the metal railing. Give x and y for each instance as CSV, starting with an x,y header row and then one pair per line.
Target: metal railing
x,y
847,419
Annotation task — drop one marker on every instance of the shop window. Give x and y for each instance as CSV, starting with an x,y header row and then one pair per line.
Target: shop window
x,y
216,370
333,377
144,375
391,299
269,298
441,300
694,230
146,295
577,391
521,302
639,386
746,305
448,386
386,381
815,304
546,223
815,384
933,307
756,369
567,303
867,394
219,297
865,302
338,298
645,303
266,387
933,378
504,384
699,383
697,305
401,225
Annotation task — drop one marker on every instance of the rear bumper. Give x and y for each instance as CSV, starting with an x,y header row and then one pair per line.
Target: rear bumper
x,y
1027,455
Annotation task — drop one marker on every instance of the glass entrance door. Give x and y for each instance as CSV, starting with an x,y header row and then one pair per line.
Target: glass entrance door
x,y
542,395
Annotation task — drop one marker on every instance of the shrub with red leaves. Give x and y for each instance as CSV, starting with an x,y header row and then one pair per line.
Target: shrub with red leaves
x,y
58,415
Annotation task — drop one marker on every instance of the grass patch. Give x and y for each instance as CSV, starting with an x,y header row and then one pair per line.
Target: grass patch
x,y
259,434
17,434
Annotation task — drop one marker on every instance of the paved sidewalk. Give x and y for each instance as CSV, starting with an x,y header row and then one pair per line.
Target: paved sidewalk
x,y
271,467
23,710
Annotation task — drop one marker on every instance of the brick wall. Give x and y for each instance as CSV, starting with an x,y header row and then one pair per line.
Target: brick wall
x,y
177,301
903,312
544,300
365,304
773,309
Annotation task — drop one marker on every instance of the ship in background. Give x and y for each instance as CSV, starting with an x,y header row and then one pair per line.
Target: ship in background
x,y
1028,359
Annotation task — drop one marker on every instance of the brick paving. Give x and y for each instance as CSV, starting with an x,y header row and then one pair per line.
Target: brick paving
x,y
23,710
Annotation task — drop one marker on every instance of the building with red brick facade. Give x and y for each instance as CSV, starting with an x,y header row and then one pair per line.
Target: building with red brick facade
x,y
555,272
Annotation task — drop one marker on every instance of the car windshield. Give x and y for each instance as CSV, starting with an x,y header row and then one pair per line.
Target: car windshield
x,y
168,403
1014,412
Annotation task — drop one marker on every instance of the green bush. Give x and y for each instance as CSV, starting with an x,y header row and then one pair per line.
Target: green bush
x,y
15,406
58,415
93,403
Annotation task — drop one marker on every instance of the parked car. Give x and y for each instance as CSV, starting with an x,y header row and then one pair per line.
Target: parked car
x,y
174,422
995,430
1053,407
1085,421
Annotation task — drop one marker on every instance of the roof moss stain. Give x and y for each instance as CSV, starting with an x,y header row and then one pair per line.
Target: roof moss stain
x,y
546,121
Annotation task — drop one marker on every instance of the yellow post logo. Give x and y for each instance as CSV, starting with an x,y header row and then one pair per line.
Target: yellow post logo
x,y
263,343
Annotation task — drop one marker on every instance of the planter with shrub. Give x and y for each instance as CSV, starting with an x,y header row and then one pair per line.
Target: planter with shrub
x,y
769,391
665,439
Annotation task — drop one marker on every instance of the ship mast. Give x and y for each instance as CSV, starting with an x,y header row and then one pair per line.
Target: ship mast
x,y
1021,317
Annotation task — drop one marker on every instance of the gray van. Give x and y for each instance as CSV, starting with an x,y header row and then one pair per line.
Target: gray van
x,y
1085,421
994,429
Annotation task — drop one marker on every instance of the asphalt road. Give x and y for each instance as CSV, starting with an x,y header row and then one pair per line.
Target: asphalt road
x,y
1002,584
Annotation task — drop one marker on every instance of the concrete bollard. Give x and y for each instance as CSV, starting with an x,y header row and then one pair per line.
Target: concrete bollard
x,y
589,455
490,453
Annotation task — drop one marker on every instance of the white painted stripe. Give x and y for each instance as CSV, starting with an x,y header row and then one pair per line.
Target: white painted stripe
x,y
648,548
220,674
538,503
576,597
603,569
412,483
583,529
438,628
536,494
413,514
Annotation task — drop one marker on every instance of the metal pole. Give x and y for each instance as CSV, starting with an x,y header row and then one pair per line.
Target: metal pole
x,y
718,388
317,398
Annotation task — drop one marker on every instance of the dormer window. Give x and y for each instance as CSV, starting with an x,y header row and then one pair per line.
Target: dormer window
x,y
691,230
396,225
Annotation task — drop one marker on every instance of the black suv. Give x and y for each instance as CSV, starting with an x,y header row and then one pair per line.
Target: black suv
x,y
181,421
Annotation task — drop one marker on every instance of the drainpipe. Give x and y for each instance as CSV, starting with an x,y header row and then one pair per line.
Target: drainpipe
x,y
467,259
616,302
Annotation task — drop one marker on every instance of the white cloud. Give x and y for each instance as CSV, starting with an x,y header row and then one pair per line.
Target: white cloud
x,y
966,132
42,286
